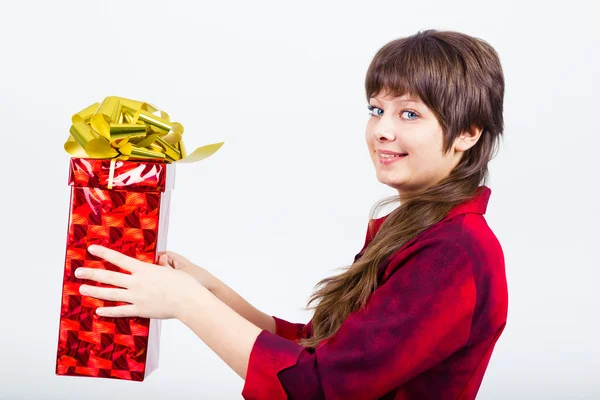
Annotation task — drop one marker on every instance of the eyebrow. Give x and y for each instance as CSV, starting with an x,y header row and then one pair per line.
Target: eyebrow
x,y
399,101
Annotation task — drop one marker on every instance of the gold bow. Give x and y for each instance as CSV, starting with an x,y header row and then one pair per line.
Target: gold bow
x,y
120,129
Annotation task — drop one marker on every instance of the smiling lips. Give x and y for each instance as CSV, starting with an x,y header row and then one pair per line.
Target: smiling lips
x,y
389,157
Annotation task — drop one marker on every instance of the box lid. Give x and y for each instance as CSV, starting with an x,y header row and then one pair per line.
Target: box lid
x,y
135,175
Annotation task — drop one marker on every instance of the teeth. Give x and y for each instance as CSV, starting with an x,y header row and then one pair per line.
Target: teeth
x,y
389,155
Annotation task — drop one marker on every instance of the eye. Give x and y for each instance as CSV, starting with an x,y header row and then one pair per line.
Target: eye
x,y
416,116
371,108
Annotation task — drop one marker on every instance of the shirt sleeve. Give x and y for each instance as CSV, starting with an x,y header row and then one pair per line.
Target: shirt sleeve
x,y
414,320
288,330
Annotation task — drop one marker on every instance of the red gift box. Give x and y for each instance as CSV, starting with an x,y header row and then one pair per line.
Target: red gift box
x,y
125,207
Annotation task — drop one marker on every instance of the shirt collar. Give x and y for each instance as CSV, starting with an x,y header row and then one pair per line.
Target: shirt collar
x,y
477,204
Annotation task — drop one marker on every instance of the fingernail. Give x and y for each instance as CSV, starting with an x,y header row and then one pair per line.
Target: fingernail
x,y
92,249
78,273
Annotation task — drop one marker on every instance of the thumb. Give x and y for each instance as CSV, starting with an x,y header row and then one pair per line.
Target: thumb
x,y
164,260
177,260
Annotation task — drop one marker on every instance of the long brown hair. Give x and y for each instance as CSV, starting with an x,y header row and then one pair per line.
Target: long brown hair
x,y
459,78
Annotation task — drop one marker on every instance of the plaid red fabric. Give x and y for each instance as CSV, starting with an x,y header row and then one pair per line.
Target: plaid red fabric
x,y
427,332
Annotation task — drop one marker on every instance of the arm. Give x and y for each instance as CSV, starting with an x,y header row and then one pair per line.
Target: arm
x,y
237,303
273,324
295,331
216,318
232,299
226,332
223,292
414,320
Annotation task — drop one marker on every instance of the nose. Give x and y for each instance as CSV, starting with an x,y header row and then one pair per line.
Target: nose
x,y
384,130
383,136
384,133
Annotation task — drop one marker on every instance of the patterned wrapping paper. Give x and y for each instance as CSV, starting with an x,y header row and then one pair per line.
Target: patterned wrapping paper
x,y
131,218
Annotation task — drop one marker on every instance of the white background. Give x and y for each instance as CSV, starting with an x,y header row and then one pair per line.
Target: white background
x,y
286,199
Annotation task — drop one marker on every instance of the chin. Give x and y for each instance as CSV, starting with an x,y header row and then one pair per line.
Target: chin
x,y
388,179
394,184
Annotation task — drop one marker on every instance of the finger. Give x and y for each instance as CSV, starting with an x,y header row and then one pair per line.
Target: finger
x,y
104,276
112,294
177,260
128,310
114,257
175,256
163,260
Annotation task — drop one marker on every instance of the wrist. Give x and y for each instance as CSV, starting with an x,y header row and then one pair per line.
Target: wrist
x,y
204,277
192,301
211,282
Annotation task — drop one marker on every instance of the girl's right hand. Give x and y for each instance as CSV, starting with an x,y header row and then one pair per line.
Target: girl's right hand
x,y
177,261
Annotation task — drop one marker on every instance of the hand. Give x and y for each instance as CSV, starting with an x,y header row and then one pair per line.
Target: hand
x,y
153,291
179,262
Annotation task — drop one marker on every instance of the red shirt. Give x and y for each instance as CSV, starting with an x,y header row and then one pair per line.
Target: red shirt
x,y
427,332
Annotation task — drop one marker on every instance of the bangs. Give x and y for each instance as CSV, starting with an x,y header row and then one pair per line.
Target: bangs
x,y
424,69
420,67
391,79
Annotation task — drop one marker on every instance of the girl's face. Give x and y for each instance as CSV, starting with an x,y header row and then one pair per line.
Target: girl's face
x,y
405,125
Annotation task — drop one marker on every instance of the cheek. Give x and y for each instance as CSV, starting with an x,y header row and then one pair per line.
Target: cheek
x,y
424,149
370,142
426,165
369,133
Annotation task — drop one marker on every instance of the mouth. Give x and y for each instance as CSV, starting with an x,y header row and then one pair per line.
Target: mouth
x,y
392,154
387,159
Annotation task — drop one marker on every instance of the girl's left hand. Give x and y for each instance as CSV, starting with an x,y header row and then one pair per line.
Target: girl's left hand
x,y
153,291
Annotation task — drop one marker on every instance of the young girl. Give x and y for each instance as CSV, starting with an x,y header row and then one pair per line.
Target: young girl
x,y
419,311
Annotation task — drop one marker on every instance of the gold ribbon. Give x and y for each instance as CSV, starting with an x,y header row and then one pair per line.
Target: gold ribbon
x,y
121,129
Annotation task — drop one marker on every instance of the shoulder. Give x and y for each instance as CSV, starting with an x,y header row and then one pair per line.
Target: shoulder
x,y
434,254
464,244
485,251
486,259
472,234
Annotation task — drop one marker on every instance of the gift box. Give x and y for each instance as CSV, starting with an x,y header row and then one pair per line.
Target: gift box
x,y
121,177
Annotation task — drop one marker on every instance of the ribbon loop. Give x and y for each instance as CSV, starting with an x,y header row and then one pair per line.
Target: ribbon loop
x,y
121,129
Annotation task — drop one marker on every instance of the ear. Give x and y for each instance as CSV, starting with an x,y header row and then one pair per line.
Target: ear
x,y
467,139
